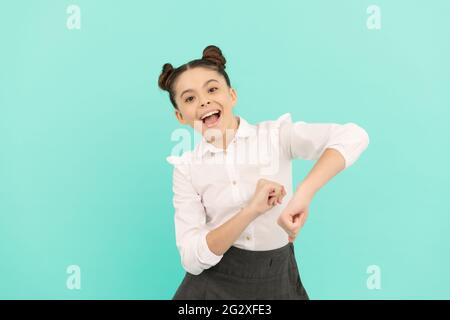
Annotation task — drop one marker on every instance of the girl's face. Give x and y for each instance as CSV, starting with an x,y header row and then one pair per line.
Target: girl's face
x,y
204,100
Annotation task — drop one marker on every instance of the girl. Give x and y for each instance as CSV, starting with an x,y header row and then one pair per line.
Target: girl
x,y
233,231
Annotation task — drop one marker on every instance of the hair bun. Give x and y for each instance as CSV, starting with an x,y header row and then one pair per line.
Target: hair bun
x,y
167,70
214,54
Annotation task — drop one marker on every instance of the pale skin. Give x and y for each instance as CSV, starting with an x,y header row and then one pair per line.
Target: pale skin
x,y
200,90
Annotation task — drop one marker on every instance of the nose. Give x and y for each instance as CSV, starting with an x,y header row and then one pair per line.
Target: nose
x,y
204,104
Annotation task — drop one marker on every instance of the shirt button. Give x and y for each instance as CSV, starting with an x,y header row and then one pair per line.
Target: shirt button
x,y
247,237
234,182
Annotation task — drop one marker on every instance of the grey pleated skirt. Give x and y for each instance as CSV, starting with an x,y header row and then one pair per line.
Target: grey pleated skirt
x,y
247,275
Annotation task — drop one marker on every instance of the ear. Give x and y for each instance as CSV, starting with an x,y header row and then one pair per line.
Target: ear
x,y
179,117
233,95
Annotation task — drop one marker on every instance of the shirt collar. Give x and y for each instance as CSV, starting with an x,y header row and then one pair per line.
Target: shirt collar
x,y
244,130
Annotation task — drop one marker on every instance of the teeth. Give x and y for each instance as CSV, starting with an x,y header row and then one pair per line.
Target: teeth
x,y
209,114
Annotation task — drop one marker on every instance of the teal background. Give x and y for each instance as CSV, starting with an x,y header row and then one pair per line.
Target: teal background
x,y
84,133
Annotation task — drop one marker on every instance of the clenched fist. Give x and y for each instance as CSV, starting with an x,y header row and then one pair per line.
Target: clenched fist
x,y
267,195
294,215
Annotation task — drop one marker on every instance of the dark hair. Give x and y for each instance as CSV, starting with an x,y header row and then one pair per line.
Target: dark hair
x,y
212,59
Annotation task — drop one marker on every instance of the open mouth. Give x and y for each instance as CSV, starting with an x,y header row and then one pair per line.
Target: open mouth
x,y
211,118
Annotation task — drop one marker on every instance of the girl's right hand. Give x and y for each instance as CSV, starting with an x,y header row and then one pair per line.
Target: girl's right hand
x,y
267,195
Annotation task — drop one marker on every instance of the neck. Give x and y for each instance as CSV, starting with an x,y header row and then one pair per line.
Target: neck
x,y
228,135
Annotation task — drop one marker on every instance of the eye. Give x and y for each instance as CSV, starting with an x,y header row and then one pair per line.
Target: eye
x,y
213,88
188,99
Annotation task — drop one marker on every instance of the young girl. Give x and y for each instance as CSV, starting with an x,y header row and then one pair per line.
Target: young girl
x,y
233,231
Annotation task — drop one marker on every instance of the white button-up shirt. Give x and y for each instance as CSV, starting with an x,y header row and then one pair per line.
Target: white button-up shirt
x,y
210,184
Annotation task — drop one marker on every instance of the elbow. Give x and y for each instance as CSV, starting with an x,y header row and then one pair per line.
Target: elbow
x,y
364,136
357,141
192,269
190,262
359,136
196,255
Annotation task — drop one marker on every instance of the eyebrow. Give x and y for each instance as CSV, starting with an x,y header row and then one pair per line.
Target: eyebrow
x,y
206,83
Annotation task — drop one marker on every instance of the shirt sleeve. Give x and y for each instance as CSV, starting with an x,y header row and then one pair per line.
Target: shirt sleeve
x,y
190,223
309,140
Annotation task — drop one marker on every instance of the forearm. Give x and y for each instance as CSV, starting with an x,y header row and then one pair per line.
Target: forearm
x,y
220,239
327,166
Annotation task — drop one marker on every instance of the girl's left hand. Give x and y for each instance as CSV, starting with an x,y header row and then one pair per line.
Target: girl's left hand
x,y
294,215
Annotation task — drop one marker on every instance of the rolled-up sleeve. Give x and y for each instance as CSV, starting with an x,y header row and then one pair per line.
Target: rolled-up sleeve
x,y
309,140
190,224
